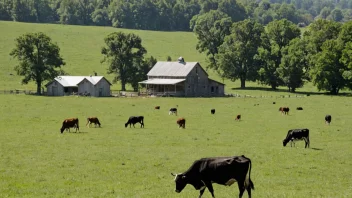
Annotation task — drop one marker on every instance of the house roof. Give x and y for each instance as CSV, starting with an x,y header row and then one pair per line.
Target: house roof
x,y
165,68
73,81
157,81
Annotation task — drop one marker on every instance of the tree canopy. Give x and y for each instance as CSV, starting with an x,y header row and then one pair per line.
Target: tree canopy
x,y
39,58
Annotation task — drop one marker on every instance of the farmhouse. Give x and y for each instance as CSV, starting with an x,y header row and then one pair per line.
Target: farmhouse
x,y
181,79
97,86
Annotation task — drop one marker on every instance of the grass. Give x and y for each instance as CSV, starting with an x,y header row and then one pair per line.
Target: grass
x,y
113,161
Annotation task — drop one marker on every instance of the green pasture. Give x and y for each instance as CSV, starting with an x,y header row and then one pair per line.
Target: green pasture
x,y
114,161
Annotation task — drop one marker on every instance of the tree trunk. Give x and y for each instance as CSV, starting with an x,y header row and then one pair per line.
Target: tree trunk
x,y
243,83
123,85
273,86
39,90
293,90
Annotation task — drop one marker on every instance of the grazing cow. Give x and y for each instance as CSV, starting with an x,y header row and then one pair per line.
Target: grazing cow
x,y
212,111
69,123
220,170
328,119
93,120
238,117
284,110
173,111
299,108
157,107
134,119
181,122
297,134
274,102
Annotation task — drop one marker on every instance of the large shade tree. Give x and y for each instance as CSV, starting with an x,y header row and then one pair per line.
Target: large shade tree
x,y
236,54
39,58
121,53
278,35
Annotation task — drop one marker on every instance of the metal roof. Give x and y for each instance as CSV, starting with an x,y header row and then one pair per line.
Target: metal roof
x,y
158,81
180,69
73,81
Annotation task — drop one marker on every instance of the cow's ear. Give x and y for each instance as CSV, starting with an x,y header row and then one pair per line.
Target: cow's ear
x,y
173,174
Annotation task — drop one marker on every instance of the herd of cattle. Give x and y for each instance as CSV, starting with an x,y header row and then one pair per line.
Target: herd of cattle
x,y
205,171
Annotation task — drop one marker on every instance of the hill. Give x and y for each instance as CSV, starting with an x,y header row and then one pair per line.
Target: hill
x,y
80,47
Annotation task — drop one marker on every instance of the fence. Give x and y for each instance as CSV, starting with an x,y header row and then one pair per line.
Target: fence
x,y
17,91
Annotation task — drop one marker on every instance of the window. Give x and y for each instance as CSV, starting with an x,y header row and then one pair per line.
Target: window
x,y
196,70
212,89
66,89
217,89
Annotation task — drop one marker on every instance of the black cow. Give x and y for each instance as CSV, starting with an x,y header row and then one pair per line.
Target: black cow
x,y
173,111
212,111
299,108
297,134
134,119
220,170
328,119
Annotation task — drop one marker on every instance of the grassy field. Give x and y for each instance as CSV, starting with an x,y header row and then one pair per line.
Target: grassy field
x,y
113,161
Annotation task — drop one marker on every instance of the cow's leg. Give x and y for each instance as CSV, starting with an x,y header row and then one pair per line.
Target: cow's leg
x,y
201,192
249,191
210,188
241,188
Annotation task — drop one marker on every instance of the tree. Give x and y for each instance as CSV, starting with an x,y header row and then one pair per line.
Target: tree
x,y
293,64
39,58
327,73
211,29
140,72
236,54
122,52
278,34
337,15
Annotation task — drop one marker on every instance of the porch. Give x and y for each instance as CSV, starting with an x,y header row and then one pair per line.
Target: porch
x,y
164,87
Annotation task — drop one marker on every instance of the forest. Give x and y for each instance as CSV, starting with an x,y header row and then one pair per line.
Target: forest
x,y
169,15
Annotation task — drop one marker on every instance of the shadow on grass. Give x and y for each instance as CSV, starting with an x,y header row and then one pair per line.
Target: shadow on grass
x,y
316,149
281,90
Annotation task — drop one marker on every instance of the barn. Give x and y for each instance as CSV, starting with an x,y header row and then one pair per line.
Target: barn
x,y
181,78
97,86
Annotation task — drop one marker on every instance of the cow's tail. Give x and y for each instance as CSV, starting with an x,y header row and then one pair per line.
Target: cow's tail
x,y
77,125
250,183
87,121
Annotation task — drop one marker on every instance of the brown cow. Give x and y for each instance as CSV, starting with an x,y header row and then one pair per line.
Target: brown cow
x,y
157,107
93,120
284,110
238,117
181,123
69,123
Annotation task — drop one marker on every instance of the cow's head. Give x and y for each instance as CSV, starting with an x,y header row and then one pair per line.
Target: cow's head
x,y
126,125
62,129
285,141
181,182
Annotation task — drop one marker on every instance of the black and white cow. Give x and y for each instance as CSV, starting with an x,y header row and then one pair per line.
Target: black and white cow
x,y
220,170
173,111
295,135
134,119
328,119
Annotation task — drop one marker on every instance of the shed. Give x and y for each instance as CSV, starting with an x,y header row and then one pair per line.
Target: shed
x,y
97,86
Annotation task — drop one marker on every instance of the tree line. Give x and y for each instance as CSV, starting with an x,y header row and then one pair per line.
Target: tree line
x,y
39,59
170,15
278,54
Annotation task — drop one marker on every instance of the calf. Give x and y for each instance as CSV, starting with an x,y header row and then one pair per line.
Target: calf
x,y
93,120
157,107
284,110
295,135
220,170
133,120
328,119
212,111
181,122
238,117
69,123
173,111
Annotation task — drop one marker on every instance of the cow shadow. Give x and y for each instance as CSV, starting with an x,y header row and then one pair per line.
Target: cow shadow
x,y
316,149
77,133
